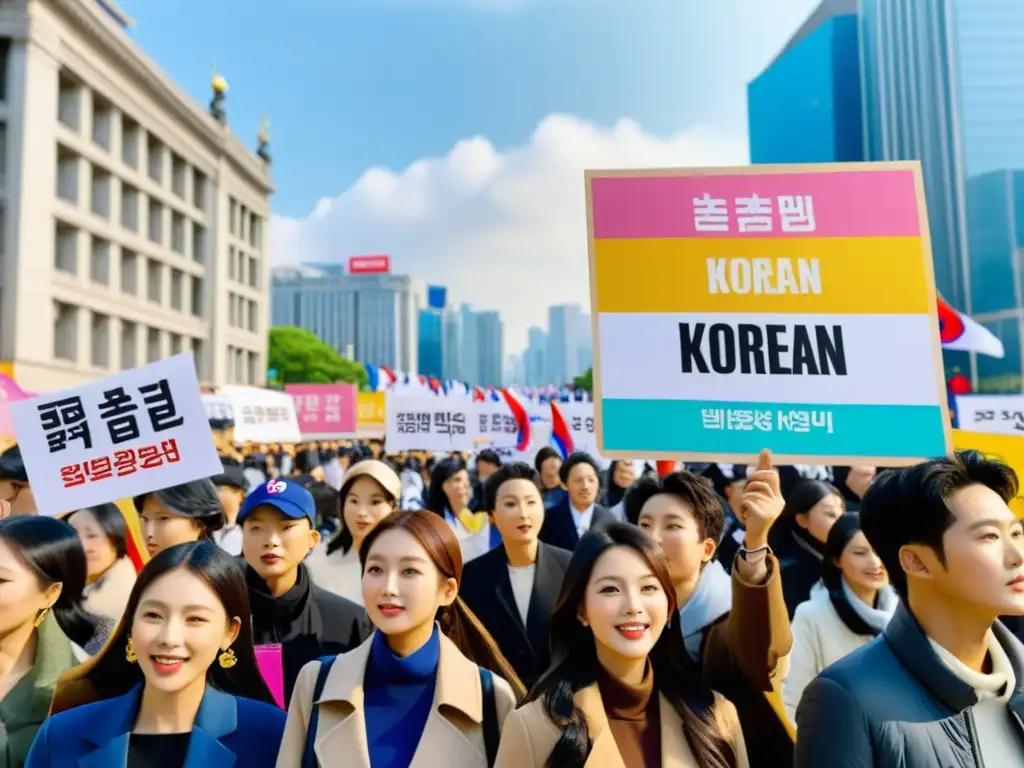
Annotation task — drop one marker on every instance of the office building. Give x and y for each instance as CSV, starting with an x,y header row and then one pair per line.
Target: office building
x,y
490,340
568,331
431,343
805,107
942,84
134,223
534,358
373,317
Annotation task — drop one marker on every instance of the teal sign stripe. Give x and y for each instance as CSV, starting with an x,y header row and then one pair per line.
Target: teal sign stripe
x,y
896,431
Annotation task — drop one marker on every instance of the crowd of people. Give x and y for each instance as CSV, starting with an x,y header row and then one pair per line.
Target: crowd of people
x,y
469,612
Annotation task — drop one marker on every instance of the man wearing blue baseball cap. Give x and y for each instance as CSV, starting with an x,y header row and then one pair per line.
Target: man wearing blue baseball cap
x,y
278,520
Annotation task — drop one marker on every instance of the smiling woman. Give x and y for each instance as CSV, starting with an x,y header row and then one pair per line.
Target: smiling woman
x,y
613,672
178,680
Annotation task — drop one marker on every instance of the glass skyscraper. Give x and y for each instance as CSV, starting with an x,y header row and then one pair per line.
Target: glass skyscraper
x,y
940,81
943,82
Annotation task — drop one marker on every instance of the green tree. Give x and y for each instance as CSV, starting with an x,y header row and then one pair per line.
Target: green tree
x,y
585,381
299,357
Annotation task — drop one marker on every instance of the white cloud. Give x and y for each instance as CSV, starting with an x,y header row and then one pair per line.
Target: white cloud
x,y
502,230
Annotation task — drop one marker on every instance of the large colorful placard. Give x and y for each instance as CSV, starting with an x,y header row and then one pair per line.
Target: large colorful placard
x,y
790,307
325,410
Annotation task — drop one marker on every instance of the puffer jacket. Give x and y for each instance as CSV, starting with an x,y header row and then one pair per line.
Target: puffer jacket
x,y
894,704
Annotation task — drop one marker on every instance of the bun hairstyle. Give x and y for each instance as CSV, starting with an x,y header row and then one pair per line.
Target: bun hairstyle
x,y
51,550
109,674
197,500
457,621
574,664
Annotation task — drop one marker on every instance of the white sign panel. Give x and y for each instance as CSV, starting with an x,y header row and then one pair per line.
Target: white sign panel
x,y
218,408
263,415
430,423
579,417
496,424
123,436
1000,414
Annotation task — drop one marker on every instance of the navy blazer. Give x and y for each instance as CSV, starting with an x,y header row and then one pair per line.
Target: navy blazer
x,y
559,528
228,731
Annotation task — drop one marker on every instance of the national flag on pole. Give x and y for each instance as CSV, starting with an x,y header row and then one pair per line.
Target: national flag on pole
x,y
560,434
134,543
522,418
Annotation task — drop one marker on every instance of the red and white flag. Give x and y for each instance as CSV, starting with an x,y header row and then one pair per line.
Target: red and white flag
x,y
957,331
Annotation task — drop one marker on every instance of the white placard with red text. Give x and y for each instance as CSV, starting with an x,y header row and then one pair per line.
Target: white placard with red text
x,y
116,438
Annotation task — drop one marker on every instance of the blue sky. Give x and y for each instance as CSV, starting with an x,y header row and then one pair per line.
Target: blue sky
x,y
352,85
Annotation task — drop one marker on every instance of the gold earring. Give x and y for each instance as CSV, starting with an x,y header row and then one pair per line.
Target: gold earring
x,y
129,652
40,618
227,659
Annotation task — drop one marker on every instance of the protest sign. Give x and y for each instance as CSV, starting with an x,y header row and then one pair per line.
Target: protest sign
x,y
1007,448
999,414
495,424
370,418
325,410
790,307
116,438
430,423
263,415
270,660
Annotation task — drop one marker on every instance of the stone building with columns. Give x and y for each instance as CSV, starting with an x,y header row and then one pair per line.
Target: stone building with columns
x,y
133,222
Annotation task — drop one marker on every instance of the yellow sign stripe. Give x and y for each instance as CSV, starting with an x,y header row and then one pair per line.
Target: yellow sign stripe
x,y
884,275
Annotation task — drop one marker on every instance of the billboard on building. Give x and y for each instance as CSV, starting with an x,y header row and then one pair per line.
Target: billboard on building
x,y
369,265
437,296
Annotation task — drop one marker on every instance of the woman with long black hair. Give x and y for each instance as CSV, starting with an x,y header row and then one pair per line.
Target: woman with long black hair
x,y
853,609
42,574
178,683
449,496
798,537
619,693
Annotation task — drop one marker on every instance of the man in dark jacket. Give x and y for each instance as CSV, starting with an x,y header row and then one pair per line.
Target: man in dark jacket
x,y
944,684
568,520
278,531
513,588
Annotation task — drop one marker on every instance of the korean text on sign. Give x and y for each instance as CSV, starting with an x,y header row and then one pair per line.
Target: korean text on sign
x,y
796,278
999,414
430,423
325,409
132,433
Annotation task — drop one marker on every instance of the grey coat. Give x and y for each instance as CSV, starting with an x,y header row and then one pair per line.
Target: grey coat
x,y
893,704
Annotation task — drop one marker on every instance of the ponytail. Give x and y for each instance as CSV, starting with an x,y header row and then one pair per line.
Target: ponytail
x,y
460,625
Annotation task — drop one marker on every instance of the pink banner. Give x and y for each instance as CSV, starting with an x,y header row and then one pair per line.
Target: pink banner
x,y
866,203
270,660
325,409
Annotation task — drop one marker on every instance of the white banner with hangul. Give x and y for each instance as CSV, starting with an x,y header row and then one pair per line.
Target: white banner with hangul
x,y
579,417
218,408
263,415
496,424
999,414
119,437
430,423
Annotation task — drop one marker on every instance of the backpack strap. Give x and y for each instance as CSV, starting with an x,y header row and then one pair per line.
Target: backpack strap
x,y
491,733
309,759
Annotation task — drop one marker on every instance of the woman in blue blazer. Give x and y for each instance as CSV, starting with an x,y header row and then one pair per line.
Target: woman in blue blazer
x,y
177,685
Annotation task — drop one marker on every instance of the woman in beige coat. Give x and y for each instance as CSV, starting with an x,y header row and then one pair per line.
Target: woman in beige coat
x,y
413,695
618,693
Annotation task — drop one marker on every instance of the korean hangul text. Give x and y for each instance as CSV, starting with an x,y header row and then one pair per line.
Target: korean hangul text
x,y
984,415
484,420
797,213
311,403
740,420
822,420
99,468
764,421
710,214
448,423
72,475
583,424
496,422
163,414
153,456
125,462
63,421
333,408
794,421
118,410
407,423
713,418
754,213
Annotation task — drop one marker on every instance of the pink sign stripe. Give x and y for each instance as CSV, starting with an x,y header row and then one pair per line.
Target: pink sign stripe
x,y
845,204
325,409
